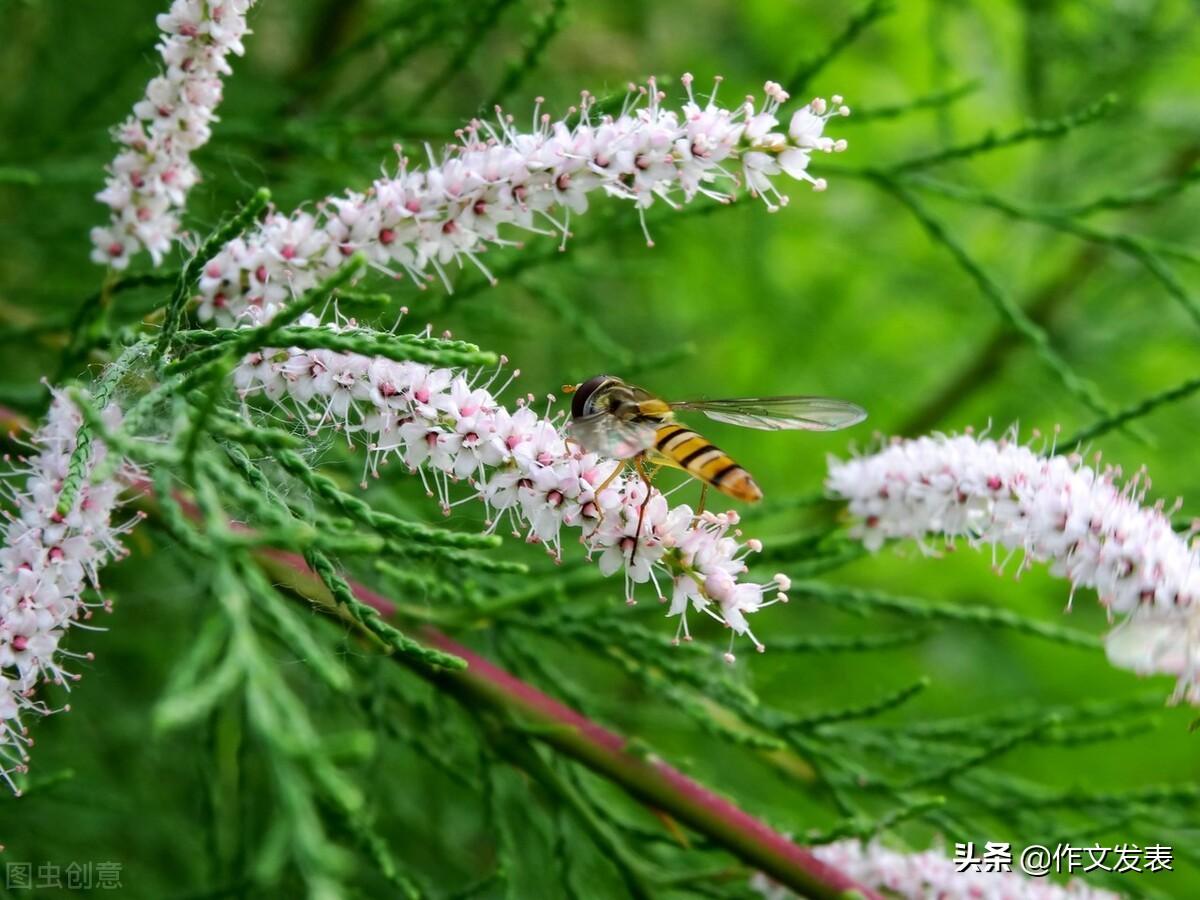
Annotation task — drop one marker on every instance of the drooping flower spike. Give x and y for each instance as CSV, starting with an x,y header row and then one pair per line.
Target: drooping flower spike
x,y
441,423
448,427
49,560
932,875
498,181
148,182
1089,527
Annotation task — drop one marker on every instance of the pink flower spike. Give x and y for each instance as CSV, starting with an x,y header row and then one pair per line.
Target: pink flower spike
x,y
1081,521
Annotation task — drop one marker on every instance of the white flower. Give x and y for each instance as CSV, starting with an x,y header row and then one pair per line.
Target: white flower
x,y
547,497
112,246
1089,528
420,222
148,182
47,562
930,875
450,429
1160,643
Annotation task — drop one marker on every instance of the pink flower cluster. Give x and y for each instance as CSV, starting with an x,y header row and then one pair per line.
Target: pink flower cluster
x,y
149,180
931,875
497,177
450,428
47,562
1090,528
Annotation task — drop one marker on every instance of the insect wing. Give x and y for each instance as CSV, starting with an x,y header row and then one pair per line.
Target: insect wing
x,y
607,435
780,413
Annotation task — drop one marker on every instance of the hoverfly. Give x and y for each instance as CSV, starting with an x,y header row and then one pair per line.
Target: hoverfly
x,y
620,420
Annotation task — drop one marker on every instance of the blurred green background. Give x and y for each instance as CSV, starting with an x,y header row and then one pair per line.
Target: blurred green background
x,y
841,293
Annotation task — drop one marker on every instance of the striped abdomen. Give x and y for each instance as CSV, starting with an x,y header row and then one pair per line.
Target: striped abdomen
x,y
697,456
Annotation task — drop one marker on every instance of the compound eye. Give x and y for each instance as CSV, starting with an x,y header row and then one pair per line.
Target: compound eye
x,y
581,402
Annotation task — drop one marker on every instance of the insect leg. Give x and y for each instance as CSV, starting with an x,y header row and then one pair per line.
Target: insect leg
x,y
703,497
607,481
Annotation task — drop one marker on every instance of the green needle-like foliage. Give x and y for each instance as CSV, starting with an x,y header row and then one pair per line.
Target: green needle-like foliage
x,y
327,674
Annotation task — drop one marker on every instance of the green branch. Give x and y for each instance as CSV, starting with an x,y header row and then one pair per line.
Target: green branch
x,y
81,456
1012,313
484,686
863,600
1134,411
398,347
1132,246
932,101
858,23
227,231
1034,131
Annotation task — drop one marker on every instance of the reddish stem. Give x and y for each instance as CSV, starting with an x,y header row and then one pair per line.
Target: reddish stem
x,y
647,778
654,782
